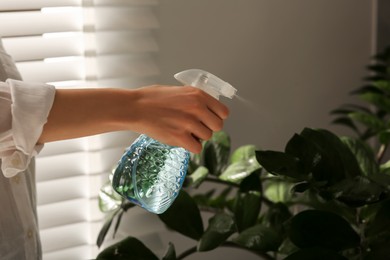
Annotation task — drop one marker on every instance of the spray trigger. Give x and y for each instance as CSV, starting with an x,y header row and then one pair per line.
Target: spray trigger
x,y
207,82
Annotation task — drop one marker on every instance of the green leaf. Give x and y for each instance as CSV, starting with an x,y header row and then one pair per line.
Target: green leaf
x,y
377,232
368,212
237,171
378,68
337,161
109,200
243,153
243,163
216,152
279,163
385,168
382,85
305,150
252,182
314,228
221,200
355,107
346,121
197,177
129,248
377,99
221,226
246,209
259,238
368,88
287,247
278,191
184,216
382,179
369,120
341,111
171,253
313,199
374,78
364,155
106,227
357,192
277,215
316,253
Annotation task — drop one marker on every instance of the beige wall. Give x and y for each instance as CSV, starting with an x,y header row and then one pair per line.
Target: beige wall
x,y
294,60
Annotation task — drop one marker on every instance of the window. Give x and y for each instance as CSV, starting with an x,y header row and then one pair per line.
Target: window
x,y
74,43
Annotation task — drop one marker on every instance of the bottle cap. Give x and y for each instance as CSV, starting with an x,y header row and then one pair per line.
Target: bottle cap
x,y
207,82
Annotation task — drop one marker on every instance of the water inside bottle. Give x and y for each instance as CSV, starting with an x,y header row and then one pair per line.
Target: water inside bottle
x,y
151,174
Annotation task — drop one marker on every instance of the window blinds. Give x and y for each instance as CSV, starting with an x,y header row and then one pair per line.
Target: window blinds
x,y
74,43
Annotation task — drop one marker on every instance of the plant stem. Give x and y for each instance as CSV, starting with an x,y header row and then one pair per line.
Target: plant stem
x,y
192,250
381,152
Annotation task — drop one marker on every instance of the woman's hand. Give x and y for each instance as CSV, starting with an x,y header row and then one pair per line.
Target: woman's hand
x,y
177,115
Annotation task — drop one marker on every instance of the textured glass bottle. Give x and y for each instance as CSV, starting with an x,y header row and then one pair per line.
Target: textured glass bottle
x,y
151,174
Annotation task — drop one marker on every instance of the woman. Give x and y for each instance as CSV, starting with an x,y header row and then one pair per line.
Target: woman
x,y
33,114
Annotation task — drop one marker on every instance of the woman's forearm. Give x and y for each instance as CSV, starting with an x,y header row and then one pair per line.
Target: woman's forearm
x,y
83,112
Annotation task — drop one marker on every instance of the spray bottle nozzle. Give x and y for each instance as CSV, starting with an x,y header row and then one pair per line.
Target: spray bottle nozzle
x,y
207,82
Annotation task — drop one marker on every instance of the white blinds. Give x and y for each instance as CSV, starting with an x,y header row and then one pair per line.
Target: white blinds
x,y
74,43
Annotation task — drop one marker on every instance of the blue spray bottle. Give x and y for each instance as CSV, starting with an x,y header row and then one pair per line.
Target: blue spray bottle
x,y
151,174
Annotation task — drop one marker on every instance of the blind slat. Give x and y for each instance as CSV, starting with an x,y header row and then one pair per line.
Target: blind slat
x,y
14,5
92,143
125,2
63,213
36,22
66,236
95,214
61,70
75,252
61,166
114,42
63,147
129,65
76,188
77,164
40,47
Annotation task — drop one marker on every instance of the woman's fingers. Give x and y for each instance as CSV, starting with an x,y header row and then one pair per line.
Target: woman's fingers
x,y
217,108
179,116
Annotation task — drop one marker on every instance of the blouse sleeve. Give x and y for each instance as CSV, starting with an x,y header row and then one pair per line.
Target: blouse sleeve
x,y
24,108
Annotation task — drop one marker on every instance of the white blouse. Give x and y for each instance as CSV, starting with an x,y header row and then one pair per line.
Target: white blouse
x,y
24,108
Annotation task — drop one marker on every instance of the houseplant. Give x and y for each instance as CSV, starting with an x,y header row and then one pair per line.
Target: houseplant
x,y
323,197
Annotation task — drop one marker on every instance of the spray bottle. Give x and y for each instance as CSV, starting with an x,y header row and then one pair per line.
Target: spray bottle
x,y
151,174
